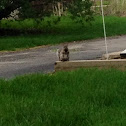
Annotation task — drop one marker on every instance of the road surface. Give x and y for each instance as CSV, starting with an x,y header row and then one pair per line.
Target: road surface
x,y
42,59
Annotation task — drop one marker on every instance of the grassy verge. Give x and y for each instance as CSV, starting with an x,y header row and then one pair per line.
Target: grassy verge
x,y
89,97
65,31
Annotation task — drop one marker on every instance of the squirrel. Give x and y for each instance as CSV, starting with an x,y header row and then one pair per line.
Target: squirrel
x,y
63,53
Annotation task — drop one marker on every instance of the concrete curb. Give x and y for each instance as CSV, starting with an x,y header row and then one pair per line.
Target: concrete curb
x,y
114,55
70,65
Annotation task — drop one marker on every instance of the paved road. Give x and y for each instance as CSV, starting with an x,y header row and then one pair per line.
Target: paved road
x,y
42,59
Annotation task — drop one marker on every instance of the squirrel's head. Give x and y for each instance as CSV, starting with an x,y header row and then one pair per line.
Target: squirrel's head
x,y
65,46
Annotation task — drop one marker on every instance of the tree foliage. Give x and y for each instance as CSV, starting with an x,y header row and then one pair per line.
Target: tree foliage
x,y
77,8
81,8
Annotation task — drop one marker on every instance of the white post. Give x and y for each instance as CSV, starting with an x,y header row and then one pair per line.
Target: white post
x,y
104,28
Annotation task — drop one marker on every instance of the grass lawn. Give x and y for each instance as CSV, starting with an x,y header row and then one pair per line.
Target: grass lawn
x,y
65,31
87,97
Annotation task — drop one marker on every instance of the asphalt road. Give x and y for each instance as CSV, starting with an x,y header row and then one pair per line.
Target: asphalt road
x,y
42,59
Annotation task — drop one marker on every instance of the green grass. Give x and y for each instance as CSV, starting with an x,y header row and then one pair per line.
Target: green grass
x,y
98,3
87,97
65,31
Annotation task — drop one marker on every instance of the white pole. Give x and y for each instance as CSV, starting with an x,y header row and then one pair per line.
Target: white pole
x,y
104,28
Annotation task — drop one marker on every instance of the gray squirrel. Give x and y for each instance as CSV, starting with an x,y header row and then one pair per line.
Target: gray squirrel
x,y
63,53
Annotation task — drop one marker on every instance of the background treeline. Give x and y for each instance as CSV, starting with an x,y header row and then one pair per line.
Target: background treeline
x,y
16,14
62,17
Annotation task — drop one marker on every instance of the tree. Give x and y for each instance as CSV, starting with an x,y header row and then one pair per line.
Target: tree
x,y
81,9
77,8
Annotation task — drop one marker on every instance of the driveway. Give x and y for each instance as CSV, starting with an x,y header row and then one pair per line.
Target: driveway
x,y
42,59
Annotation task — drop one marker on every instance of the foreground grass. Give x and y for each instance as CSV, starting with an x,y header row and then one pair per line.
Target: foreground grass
x,y
65,31
89,97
